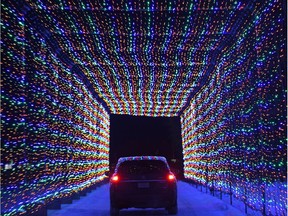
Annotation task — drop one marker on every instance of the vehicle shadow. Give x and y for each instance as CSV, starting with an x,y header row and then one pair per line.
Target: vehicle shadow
x,y
140,212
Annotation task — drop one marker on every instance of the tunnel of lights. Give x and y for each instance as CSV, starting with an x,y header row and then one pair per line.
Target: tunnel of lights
x,y
68,65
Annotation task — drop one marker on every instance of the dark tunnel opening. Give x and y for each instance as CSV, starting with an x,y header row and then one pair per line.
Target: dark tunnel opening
x,y
140,135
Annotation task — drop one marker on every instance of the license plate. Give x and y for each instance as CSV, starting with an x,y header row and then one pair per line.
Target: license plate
x,y
143,185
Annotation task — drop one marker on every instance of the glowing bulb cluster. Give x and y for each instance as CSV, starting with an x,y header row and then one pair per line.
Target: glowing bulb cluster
x,y
143,58
218,64
54,134
233,132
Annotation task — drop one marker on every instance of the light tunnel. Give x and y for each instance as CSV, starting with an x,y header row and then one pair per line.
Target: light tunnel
x,y
67,66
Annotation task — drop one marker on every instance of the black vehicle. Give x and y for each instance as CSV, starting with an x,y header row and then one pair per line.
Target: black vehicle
x,y
143,182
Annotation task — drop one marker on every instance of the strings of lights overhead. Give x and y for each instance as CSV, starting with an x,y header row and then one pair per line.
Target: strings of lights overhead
x,y
68,65
143,58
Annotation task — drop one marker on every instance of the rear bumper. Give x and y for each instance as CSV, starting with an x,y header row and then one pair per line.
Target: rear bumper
x,y
143,199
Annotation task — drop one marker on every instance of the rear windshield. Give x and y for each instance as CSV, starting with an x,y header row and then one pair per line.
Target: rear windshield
x,y
143,167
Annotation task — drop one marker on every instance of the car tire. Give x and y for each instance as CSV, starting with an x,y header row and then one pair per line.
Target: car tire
x,y
173,210
114,211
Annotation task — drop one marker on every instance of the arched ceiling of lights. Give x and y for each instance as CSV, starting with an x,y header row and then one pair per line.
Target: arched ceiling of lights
x,y
141,57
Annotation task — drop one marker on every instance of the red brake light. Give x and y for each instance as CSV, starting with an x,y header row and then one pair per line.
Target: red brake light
x,y
171,177
115,178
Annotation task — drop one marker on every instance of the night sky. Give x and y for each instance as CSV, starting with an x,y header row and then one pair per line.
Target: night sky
x,y
137,135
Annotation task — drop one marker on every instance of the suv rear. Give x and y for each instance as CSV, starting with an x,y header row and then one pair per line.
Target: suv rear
x,y
143,182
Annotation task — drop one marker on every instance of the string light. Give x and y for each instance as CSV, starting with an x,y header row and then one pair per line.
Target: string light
x,y
55,135
233,132
218,64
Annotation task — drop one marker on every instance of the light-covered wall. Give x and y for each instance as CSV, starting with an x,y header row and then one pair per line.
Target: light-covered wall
x,y
54,134
234,130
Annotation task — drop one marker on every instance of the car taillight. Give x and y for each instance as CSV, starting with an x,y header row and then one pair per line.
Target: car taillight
x,y
115,178
171,177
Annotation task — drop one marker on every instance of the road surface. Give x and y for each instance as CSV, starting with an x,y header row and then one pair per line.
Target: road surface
x,y
191,202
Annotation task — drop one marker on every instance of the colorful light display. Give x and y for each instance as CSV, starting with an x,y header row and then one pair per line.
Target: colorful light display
x,y
143,58
234,130
68,64
55,135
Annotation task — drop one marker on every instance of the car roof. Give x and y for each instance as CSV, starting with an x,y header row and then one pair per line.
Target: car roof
x,y
133,158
